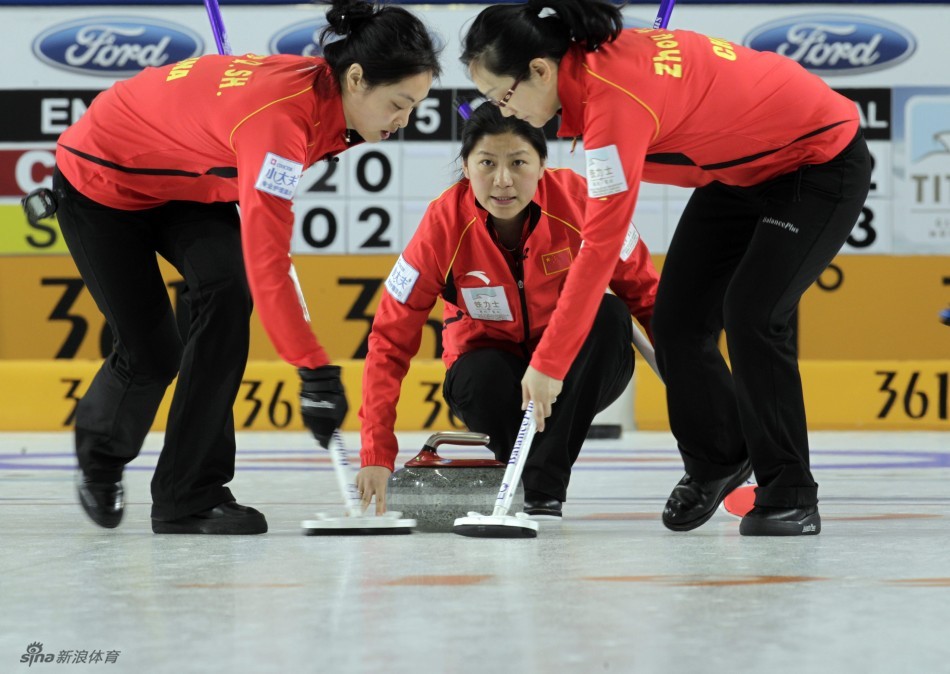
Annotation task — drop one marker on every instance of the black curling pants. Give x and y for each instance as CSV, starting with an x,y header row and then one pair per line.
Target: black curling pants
x,y
740,260
483,389
116,253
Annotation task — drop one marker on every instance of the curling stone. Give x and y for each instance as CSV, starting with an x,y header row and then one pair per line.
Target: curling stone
x,y
435,491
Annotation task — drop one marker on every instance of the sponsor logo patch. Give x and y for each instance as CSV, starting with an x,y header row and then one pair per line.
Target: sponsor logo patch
x,y
402,279
604,172
279,176
487,304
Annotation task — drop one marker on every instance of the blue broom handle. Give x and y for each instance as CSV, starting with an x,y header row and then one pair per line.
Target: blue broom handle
x,y
217,27
663,17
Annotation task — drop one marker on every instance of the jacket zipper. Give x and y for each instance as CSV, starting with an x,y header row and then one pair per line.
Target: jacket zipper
x,y
519,277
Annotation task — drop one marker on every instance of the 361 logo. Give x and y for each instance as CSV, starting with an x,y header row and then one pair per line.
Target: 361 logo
x,y
34,653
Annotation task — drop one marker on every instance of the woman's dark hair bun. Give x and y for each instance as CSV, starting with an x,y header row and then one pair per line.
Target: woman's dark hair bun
x,y
345,16
387,41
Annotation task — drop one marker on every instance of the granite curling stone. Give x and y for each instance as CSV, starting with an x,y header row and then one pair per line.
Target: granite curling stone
x,y
435,491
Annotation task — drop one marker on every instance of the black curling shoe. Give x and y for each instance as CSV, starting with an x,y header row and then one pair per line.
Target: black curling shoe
x,y
104,502
692,502
229,519
543,509
764,521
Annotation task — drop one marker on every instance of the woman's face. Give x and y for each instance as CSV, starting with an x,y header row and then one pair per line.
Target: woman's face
x,y
378,112
504,170
534,98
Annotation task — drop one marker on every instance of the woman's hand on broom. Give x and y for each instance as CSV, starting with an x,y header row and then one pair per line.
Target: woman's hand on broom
x,y
543,390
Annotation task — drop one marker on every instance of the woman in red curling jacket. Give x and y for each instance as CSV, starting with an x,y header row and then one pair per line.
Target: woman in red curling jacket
x,y
781,172
159,164
498,247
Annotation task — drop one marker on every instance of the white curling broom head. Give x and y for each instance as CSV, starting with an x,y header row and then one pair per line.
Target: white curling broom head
x,y
476,525
387,524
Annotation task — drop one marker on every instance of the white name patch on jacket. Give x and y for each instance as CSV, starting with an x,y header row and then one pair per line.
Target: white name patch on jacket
x,y
604,172
401,280
487,304
629,242
279,176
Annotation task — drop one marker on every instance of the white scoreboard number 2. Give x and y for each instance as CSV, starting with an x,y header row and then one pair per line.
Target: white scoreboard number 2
x,y
370,200
350,205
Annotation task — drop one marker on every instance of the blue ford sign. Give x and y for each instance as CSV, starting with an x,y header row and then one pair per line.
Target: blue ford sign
x,y
301,39
115,46
835,44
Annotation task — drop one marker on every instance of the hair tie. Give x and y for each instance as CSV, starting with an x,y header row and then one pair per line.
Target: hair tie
x,y
539,9
349,17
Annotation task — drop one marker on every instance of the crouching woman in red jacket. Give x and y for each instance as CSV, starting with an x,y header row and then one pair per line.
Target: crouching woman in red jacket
x,y
497,247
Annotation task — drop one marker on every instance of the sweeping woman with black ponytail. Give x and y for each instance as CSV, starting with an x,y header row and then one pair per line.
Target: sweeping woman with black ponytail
x,y
780,170
158,166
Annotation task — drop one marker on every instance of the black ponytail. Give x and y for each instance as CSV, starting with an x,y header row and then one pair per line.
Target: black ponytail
x,y
389,43
504,38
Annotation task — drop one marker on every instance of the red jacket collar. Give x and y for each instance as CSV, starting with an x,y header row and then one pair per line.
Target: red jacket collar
x,y
571,93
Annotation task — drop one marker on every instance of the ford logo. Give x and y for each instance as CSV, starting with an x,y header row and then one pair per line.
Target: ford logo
x,y
835,44
301,39
111,46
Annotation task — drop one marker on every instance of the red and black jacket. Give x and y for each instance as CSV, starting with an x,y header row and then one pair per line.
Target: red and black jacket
x,y
219,128
490,297
677,108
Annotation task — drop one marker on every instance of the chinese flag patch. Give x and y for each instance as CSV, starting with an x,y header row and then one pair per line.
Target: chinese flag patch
x,y
557,261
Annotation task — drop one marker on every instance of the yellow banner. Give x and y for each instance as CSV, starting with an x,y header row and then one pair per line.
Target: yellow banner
x,y
851,395
19,237
839,395
864,308
42,396
48,313
875,307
